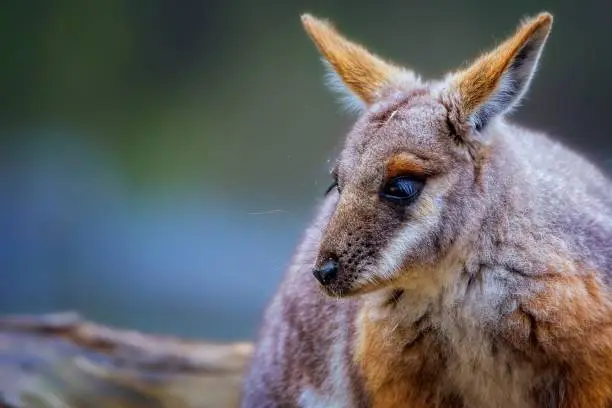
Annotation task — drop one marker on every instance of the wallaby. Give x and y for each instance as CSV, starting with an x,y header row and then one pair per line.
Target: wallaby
x,y
459,260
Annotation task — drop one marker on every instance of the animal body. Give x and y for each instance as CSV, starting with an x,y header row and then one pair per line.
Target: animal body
x,y
459,261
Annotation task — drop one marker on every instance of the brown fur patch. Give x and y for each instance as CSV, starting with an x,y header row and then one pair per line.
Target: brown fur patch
x,y
363,72
394,298
479,81
404,164
399,365
568,324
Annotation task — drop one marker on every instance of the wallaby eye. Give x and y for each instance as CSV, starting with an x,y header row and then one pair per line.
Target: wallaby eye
x,y
331,187
402,190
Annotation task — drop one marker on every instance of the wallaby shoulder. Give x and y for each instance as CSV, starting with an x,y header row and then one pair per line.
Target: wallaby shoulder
x,y
556,194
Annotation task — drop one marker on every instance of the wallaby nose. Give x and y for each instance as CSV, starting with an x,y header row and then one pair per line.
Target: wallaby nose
x,y
327,272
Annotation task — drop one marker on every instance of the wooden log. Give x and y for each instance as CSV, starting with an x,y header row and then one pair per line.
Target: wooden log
x,y
62,360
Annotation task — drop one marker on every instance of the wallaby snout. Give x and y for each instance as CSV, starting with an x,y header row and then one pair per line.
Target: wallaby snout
x,y
328,272
350,245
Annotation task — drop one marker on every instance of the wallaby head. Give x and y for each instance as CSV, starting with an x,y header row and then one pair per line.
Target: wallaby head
x,y
410,176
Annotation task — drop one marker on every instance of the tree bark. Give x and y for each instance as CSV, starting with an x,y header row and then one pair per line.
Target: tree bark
x,y
62,360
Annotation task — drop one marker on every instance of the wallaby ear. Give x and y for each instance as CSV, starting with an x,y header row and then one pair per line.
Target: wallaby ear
x,y
496,81
359,71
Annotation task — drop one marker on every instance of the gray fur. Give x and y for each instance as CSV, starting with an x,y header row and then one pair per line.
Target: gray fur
x,y
504,208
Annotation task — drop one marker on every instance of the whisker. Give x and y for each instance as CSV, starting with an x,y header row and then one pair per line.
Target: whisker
x,y
266,212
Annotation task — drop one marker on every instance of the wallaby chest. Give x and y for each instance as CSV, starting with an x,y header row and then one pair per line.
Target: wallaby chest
x,y
429,361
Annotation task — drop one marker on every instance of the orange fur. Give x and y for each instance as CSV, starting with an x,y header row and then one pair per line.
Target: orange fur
x,y
479,81
394,371
568,324
405,164
577,309
363,72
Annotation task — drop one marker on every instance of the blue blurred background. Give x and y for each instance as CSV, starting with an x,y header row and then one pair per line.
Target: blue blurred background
x,y
159,159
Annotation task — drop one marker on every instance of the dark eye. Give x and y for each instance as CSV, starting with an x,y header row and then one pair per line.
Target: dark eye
x,y
331,187
402,190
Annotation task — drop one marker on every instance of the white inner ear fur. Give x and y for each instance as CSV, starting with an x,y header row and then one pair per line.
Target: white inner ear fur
x,y
352,103
512,85
349,101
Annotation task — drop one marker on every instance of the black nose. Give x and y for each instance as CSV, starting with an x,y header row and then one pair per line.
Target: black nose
x,y
326,272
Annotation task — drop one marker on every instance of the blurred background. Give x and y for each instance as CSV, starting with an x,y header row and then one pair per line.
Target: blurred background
x,y
159,159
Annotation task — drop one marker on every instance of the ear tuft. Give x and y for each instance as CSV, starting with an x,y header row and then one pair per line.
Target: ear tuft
x,y
497,80
353,68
